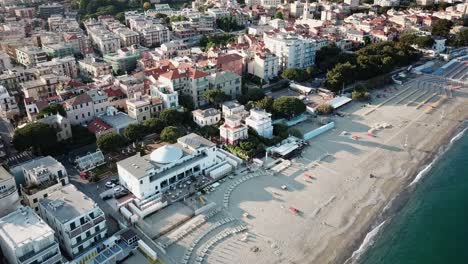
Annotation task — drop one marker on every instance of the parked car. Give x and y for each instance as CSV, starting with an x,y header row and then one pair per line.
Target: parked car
x,y
107,197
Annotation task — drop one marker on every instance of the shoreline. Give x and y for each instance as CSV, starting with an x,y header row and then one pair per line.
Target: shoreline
x,y
402,191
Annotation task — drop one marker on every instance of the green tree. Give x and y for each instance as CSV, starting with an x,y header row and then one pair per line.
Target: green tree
x,y
288,107
295,132
324,109
214,96
442,28
38,136
327,57
147,5
339,75
154,125
178,18
110,142
293,74
52,109
367,40
186,101
135,132
170,134
424,42
266,103
279,15
310,72
255,94
461,38
280,130
408,39
171,116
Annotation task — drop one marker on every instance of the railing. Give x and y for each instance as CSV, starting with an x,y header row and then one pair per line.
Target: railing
x,y
36,255
7,192
86,226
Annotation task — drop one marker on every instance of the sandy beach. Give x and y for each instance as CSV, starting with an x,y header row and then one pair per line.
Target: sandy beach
x,y
341,203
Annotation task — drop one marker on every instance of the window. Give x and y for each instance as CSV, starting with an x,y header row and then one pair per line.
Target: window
x,y
82,220
72,226
35,200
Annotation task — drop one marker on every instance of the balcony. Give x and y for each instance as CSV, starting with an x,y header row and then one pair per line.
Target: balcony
x,y
86,226
32,256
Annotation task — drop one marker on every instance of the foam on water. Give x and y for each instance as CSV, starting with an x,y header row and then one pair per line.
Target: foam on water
x,y
368,240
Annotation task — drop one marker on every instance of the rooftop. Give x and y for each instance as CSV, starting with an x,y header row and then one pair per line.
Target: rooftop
x,y
47,162
22,227
4,174
206,113
67,203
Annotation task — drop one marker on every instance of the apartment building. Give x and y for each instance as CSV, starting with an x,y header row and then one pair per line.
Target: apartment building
x,y
8,105
42,176
5,62
80,109
78,222
230,108
59,23
260,121
92,68
127,37
9,198
65,66
264,65
45,86
170,99
47,10
292,51
26,238
226,81
123,60
100,101
58,50
30,56
130,85
143,108
151,32
80,43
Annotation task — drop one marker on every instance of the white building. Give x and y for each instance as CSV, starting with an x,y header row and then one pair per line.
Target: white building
x,y
260,121
227,81
386,3
79,109
78,222
8,105
65,66
92,68
148,176
61,125
170,99
100,101
5,62
264,65
293,51
30,56
26,238
43,176
233,130
206,117
352,3
9,197
230,108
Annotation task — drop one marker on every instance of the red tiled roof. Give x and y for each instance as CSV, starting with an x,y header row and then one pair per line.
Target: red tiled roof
x,y
98,126
113,93
223,59
80,99
195,74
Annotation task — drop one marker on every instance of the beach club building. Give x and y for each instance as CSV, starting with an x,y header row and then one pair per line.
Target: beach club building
x,y
147,176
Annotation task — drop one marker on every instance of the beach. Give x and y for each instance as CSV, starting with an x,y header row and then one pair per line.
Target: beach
x,y
340,203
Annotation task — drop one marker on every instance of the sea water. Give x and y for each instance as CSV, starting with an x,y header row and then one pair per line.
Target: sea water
x,y
432,226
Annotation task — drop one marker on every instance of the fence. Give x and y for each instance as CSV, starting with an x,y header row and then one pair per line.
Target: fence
x,y
319,131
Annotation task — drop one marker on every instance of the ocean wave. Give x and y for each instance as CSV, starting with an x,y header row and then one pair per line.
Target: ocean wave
x,y
368,241
429,166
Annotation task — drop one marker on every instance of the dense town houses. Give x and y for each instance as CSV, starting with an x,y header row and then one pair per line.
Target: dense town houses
x,y
149,84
